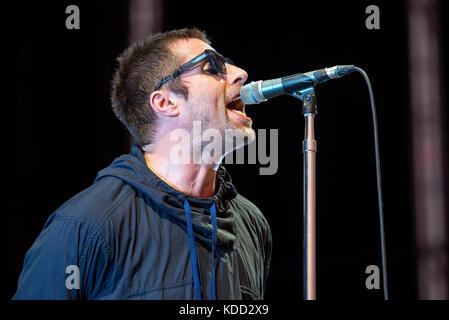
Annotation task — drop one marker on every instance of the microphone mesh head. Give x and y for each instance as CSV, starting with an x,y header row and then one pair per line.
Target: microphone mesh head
x,y
251,93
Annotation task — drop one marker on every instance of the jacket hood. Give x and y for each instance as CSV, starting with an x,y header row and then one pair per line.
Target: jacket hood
x,y
169,203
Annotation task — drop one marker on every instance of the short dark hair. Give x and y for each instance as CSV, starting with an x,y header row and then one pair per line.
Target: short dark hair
x,y
140,68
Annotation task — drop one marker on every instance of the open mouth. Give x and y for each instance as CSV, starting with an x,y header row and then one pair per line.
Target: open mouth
x,y
236,105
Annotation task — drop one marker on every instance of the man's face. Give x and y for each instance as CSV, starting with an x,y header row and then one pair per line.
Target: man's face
x,y
210,96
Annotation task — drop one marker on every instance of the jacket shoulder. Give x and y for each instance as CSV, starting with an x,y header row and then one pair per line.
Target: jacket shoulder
x,y
250,208
94,204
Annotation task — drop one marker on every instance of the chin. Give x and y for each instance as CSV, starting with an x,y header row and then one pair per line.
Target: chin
x,y
238,137
249,134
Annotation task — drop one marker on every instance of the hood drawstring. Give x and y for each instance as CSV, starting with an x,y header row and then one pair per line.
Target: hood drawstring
x,y
213,216
196,278
191,236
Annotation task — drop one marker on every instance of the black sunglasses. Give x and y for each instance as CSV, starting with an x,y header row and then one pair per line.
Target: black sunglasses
x,y
216,60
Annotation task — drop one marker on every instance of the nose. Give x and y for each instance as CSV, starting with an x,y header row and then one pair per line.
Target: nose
x,y
236,75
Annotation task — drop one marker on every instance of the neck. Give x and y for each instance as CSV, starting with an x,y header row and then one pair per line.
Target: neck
x,y
197,180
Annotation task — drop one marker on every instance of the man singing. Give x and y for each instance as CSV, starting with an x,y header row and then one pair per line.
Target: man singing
x,y
164,221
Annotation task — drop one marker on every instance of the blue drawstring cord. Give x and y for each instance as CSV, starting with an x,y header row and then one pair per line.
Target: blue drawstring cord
x,y
191,236
213,217
196,278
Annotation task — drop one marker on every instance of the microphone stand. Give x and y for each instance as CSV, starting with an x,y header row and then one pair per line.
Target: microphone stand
x,y
309,111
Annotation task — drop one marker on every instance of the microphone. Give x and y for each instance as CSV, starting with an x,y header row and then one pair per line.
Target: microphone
x,y
260,91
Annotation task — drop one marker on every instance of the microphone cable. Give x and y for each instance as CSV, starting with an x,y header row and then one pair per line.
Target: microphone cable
x,y
379,186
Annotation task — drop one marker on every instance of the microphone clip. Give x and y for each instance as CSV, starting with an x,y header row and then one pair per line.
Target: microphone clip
x,y
308,98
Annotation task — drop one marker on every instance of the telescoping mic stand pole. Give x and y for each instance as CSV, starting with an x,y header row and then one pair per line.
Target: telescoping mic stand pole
x,y
309,111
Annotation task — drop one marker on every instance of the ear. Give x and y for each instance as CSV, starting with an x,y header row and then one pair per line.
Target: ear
x,y
164,104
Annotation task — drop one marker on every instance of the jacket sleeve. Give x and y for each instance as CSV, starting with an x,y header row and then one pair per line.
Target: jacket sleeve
x,y
68,261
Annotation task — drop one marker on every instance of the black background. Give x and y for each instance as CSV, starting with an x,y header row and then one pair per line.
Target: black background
x,y
61,129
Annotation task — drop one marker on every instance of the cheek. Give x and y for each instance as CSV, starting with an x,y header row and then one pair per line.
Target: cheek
x,y
210,95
